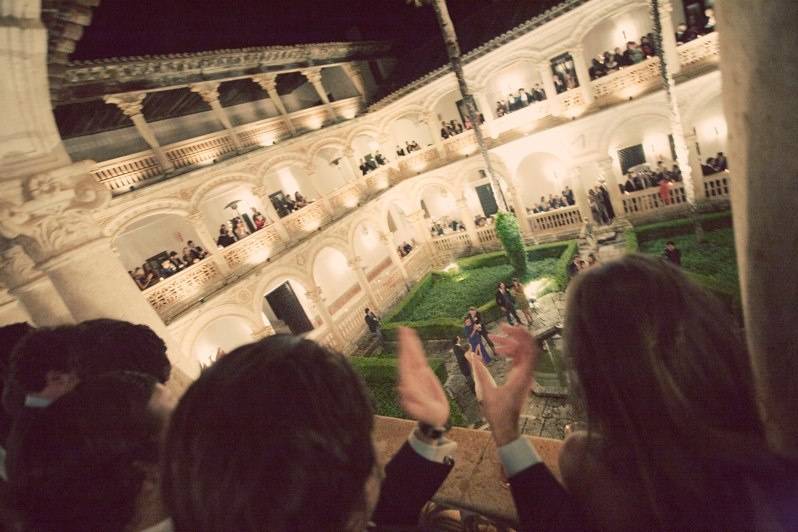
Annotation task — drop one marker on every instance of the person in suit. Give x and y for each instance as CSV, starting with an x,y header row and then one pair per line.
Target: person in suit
x,y
304,457
400,152
505,301
476,317
225,238
380,158
373,323
672,253
459,352
363,168
444,130
473,333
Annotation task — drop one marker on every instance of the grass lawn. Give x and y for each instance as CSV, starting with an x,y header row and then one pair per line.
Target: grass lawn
x,y
450,295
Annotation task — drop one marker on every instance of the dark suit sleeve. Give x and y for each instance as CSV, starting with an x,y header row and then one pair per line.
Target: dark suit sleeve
x,y
542,503
410,481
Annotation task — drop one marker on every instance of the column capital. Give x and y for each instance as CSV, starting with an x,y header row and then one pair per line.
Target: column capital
x,y
576,49
208,90
17,268
129,103
268,82
194,217
56,215
313,75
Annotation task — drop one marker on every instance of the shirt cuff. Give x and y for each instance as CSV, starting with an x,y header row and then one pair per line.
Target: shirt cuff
x,y
517,456
434,453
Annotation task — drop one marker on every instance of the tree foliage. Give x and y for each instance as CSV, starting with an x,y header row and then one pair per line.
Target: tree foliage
x,y
510,236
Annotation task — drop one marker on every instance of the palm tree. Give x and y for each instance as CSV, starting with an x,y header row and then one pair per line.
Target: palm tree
x,y
677,129
456,62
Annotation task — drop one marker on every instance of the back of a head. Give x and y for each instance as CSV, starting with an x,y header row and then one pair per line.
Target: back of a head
x,y
114,345
42,351
665,378
275,436
80,467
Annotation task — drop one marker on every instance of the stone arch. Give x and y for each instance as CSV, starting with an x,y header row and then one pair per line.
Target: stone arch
x,y
208,316
476,163
120,222
327,241
365,129
283,159
322,144
209,186
639,114
708,95
491,69
550,173
365,242
599,15
408,110
444,87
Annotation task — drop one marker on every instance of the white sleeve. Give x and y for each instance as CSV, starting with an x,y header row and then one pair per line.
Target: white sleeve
x,y
517,456
433,453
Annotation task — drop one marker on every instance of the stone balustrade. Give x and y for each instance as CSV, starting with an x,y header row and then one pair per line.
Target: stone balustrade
x,y
200,151
379,179
628,82
557,220
456,243
487,237
388,286
254,249
172,295
700,52
572,102
351,323
418,161
522,119
417,263
306,220
130,171
346,197
643,201
461,145
344,299
716,186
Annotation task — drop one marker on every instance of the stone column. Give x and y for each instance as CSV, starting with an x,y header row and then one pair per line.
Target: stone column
x,y
268,82
434,125
517,203
486,109
553,99
32,289
313,75
356,76
580,196
316,297
758,61
468,221
607,173
356,263
421,228
669,37
208,241
131,105
395,259
209,91
582,74
56,229
691,141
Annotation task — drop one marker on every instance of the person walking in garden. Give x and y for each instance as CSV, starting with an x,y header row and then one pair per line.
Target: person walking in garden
x,y
504,300
672,253
517,292
459,353
476,317
473,333
374,325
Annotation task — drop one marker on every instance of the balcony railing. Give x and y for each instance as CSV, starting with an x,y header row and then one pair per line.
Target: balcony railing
x,y
556,220
307,219
628,81
346,197
388,286
344,299
716,186
350,323
254,249
699,52
643,201
417,264
522,118
456,242
487,236
461,145
174,294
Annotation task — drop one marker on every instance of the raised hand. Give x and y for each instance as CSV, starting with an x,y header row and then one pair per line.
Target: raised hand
x,y
420,392
501,406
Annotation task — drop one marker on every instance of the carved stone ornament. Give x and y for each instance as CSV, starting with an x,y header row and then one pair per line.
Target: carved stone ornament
x,y
16,268
56,214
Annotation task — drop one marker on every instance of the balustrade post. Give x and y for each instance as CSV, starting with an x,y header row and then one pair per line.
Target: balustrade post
x,y
468,221
607,173
582,74
697,173
313,75
32,288
207,241
316,297
547,77
356,263
669,45
209,92
268,82
131,105
395,259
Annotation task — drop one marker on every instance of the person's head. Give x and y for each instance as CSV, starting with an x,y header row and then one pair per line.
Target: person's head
x,y
720,154
467,321
670,244
367,310
303,458
223,230
472,311
91,457
664,376
617,49
45,361
456,341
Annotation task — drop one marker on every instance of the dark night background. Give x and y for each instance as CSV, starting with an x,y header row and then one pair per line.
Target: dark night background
x,y
126,27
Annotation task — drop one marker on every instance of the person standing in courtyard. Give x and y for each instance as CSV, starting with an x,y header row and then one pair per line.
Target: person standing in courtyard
x,y
476,317
672,253
374,325
504,300
459,353
518,293
473,333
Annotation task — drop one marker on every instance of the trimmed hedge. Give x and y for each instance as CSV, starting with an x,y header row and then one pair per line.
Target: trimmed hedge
x,y
684,226
417,291
630,238
561,277
380,376
510,236
551,250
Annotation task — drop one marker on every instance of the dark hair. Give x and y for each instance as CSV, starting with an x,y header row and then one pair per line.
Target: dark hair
x,y
666,383
670,243
42,351
114,345
274,436
80,463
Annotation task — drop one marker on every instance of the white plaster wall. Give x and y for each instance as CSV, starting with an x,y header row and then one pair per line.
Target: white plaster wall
x,y
152,235
363,145
290,179
439,203
406,128
540,174
329,177
212,208
368,246
107,145
519,75
446,108
617,31
710,127
227,333
331,271
338,83
652,132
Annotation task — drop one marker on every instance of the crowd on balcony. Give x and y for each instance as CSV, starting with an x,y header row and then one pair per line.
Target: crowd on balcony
x,y
284,204
480,220
611,61
410,147
166,264
601,209
694,28
241,227
644,177
565,199
372,162
405,248
716,164
446,225
520,100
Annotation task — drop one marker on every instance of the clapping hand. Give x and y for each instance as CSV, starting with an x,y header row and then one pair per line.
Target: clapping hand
x,y
502,406
420,392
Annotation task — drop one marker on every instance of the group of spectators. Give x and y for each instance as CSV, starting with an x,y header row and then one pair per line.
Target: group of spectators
x,y
277,434
446,225
519,100
240,227
565,199
643,177
410,147
151,273
601,209
404,249
716,164
695,29
480,220
285,205
372,162
610,61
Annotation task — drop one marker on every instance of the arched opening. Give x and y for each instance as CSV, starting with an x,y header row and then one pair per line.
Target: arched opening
x,y
331,170
232,212
481,198
441,210
157,247
410,129
333,274
222,334
641,143
401,230
711,130
367,245
287,308
541,179
613,33
515,87
284,183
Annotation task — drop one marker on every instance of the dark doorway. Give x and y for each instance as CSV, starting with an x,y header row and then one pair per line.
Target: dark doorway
x,y
631,156
288,309
487,199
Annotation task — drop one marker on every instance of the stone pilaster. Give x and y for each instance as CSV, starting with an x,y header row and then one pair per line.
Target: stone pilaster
x,y
131,105
209,92
356,263
468,221
262,193
352,70
313,75
315,296
607,174
268,82
697,174
580,196
582,74
669,37
520,210
552,98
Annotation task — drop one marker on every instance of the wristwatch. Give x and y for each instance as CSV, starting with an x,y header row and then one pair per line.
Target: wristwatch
x,y
431,432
